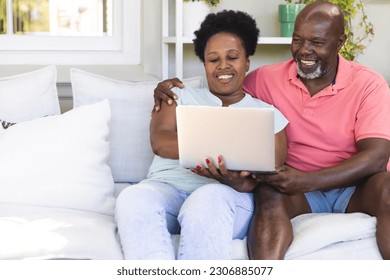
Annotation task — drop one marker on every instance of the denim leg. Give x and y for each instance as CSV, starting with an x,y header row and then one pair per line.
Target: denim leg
x,y
146,215
210,218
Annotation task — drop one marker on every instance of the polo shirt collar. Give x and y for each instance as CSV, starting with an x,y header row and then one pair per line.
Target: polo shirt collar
x,y
343,76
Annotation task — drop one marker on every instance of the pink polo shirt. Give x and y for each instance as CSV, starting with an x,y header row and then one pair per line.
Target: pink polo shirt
x,y
323,129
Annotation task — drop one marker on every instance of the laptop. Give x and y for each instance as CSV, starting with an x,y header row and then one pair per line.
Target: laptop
x,y
244,137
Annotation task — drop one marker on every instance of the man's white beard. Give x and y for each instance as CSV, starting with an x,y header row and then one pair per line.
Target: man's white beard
x,y
310,76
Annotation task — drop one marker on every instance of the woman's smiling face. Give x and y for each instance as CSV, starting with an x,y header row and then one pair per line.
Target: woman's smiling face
x,y
226,65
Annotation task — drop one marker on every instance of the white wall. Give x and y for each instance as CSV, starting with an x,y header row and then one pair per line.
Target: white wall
x,y
375,56
265,14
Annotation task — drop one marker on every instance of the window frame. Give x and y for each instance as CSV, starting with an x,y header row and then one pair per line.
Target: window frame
x,y
123,47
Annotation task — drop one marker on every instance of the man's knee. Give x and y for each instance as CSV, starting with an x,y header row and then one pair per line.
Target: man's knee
x,y
271,202
382,181
267,195
379,185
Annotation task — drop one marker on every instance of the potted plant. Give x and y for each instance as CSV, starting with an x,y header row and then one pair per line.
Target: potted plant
x,y
194,12
360,34
287,13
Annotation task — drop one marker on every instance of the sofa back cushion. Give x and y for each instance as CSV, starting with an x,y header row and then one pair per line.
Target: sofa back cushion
x,y
29,95
59,161
131,105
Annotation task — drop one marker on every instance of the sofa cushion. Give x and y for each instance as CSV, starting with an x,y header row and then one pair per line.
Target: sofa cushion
x,y
29,95
131,106
59,161
315,234
31,232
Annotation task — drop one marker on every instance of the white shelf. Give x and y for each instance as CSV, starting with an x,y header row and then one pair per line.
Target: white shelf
x,y
274,41
262,40
177,41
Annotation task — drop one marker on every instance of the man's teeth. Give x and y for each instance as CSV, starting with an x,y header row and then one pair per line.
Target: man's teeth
x,y
308,62
225,77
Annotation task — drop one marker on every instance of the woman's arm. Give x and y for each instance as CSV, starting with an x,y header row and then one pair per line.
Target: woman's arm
x,y
163,132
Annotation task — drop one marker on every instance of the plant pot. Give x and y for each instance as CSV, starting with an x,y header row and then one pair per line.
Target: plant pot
x,y
193,15
287,14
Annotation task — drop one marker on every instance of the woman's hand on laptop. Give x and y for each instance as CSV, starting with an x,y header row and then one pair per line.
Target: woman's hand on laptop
x,y
239,180
163,92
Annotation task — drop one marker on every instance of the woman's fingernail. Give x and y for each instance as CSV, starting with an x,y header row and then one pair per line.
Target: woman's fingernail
x,y
207,161
198,167
219,159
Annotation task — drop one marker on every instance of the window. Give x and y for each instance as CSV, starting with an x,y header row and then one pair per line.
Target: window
x,y
70,31
58,17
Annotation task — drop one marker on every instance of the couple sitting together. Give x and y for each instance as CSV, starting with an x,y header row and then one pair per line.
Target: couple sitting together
x,y
332,146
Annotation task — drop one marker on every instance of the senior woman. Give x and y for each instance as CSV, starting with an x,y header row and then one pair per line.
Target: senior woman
x,y
172,200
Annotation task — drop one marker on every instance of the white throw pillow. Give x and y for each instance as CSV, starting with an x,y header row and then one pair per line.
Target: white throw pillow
x,y
29,95
313,232
316,232
131,106
59,161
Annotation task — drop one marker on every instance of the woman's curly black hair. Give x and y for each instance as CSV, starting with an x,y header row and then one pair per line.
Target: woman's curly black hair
x,y
236,22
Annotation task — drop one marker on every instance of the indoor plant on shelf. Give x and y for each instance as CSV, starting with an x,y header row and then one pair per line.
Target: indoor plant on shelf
x,y
194,12
358,29
287,13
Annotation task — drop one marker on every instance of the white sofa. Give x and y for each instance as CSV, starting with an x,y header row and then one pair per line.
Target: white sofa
x,y
60,174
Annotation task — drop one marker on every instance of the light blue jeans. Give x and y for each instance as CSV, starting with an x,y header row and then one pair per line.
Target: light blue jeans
x,y
207,220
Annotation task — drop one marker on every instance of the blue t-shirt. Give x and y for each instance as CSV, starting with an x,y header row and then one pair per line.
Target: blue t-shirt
x,y
169,171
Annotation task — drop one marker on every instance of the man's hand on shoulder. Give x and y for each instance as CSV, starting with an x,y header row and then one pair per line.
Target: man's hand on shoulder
x,y
163,92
